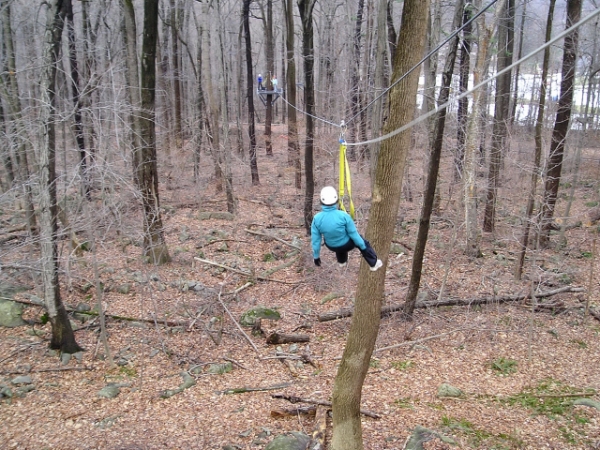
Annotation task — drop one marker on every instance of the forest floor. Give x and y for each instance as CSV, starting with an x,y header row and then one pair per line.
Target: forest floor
x,y
520,369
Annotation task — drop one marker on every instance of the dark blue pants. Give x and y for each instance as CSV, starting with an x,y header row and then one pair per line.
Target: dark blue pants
x,y
341,253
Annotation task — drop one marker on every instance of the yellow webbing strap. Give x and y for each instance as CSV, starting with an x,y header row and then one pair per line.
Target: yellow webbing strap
x,y
345,180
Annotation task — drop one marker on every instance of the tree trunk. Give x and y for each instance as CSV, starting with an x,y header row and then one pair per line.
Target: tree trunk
x,y
473,235
433,170
463,103
133,82
539,127
501,110
175,57
155,247
270,50
77,117
293,144
16,128
561,124
515,99
355,76
347,431
250,94
63,338
306,9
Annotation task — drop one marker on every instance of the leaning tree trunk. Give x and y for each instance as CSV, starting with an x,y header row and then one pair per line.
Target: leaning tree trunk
x,y
347,431
250,94
433,170
155,247
539,128
293,144
306,10
561,124
501,110
63,338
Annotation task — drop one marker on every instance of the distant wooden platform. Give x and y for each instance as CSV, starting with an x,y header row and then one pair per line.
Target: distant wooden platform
x,y
263,93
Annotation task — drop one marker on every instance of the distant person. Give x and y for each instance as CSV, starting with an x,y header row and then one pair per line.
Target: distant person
x,y
274,81
260,81
337,229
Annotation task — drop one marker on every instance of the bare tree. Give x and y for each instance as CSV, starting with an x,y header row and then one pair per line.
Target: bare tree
x,y
561,123
347,431
63,338
293,144
306,15
155,247
539,126
433,170
250,93
502,108
463,103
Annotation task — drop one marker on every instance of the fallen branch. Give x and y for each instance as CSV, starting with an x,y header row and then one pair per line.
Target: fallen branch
x,y
418,341
270,236
264,276
243,390
347,312
294,399
297,411
54,369
281,338
318,434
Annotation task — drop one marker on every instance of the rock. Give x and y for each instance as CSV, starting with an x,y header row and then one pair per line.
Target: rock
x,y
396,249
109,391
220,369
65,358
6,392
446,390
221,215
124,288
204,215
83,307
421,435
10,314
249,317
587,402
291,441
22,379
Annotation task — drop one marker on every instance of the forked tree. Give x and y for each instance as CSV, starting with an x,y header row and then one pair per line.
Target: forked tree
x,y
347,391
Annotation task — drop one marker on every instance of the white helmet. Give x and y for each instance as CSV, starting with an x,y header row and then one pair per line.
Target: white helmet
x,y
329,196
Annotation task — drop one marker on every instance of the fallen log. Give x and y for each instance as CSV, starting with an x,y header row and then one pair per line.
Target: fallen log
x,y
294,399
281,338
294,412
347,312
318,435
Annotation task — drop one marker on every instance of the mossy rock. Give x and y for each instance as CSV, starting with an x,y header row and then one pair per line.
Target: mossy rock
x,y
446,390
10,314
291,441
248,318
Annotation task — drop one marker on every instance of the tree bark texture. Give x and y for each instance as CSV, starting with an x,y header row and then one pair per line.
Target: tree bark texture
x,y
347,431
155,247
561,123
463,103
63,338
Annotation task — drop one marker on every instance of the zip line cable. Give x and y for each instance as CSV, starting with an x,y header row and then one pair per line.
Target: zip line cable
x,y
425,58
311,115
474,88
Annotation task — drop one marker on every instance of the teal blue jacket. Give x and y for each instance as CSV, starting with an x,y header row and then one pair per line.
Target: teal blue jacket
x,y
337,227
